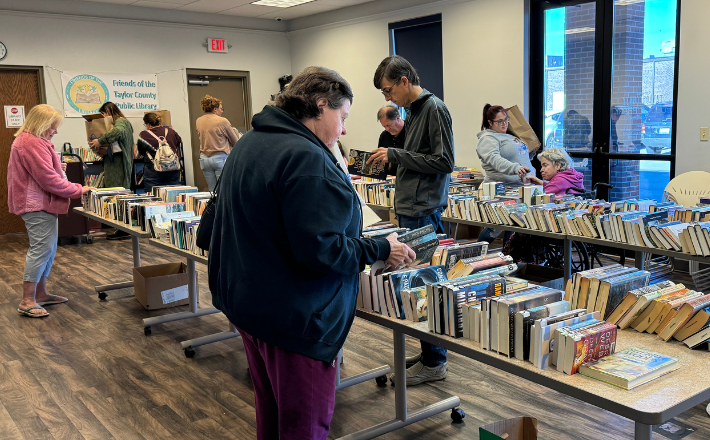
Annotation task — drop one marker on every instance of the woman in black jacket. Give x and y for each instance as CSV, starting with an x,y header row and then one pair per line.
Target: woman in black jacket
x,y
148,141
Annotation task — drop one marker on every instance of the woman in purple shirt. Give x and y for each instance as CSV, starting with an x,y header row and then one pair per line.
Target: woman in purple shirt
x,y
557,172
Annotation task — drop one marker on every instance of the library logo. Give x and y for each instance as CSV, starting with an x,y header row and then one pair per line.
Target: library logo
x,y
86,94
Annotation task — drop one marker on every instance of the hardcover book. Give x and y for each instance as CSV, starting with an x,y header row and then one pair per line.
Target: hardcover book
x,y
357,165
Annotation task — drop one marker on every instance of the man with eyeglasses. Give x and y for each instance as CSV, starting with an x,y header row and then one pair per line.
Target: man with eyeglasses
x,y
394,132
424,165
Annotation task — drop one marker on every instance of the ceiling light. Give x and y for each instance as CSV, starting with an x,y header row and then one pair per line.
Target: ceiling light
x,y
281,3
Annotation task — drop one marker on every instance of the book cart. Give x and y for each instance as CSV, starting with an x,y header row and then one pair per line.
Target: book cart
x,y
380,373
135,234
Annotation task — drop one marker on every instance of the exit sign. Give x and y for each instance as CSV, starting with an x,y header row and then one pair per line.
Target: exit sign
x,y
217,45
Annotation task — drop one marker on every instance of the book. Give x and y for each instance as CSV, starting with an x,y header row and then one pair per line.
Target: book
x,y
452,254
506,315
631,297
587,346
524,321
684,314
630,368
409,279
613,290
649,314
542,331
700,321
357,165
644,301
698,339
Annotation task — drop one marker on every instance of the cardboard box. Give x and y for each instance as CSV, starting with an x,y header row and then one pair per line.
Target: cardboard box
x,y
521,428
164,117
161,286
97,125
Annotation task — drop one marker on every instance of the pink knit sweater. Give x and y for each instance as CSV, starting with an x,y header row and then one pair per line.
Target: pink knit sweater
x,y
34,178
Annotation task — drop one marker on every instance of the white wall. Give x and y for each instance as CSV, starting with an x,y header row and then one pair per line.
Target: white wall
x,y
693,88
483,43
99,45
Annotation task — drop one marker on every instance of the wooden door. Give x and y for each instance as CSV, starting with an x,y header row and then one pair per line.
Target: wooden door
x,y
232,92
17,87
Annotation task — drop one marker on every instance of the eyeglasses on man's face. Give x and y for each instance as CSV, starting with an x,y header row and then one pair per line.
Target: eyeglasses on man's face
x,y
387,90
502,122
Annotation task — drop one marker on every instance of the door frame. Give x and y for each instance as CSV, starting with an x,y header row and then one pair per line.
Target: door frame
x,y
600,154
40,76
241,74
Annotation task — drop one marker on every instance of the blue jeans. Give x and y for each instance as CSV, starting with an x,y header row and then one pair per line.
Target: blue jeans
x,y
42,230
489,235
432,355
212,168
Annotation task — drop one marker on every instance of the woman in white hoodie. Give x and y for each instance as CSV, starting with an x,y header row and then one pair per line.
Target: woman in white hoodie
x,y
504,157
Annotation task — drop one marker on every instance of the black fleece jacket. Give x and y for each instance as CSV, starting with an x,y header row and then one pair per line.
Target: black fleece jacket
x,y
285,252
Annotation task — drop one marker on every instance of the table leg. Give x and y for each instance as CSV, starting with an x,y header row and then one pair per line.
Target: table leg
x,y
567,260
400,374
136,251
639,259
192,292
643,432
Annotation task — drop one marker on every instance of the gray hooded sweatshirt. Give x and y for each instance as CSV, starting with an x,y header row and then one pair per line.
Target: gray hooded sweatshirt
x,y
501,156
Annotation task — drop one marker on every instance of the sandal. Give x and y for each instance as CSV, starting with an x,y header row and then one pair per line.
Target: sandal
x,y
52,300
28,312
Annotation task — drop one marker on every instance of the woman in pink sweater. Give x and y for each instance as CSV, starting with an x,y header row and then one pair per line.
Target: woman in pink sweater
x,y
38,192
557,172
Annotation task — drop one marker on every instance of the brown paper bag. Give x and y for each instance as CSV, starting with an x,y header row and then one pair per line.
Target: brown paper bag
x,y
96,126
520,128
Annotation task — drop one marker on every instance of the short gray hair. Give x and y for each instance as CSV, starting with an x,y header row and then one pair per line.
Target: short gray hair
x,y
557,156
390,111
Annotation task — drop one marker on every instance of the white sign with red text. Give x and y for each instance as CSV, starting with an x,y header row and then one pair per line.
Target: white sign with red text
x,y
14,116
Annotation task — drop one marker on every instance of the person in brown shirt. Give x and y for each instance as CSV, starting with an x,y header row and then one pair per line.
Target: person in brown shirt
x,y
217,137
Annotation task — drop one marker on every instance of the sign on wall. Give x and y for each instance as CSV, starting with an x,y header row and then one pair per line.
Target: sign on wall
x,y
14,116
85,93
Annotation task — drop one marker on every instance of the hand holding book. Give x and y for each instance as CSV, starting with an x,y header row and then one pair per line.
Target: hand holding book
x,y
400,253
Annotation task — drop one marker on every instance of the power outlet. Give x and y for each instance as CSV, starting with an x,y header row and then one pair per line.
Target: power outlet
x,y
704,134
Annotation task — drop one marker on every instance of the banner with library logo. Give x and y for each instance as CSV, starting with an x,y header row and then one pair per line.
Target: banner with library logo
x,y
85,93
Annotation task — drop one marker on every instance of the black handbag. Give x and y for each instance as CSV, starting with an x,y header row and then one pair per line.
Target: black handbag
x,y
204,231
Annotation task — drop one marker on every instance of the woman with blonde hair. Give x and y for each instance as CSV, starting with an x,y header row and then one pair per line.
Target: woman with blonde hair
x,y
38,192
217,137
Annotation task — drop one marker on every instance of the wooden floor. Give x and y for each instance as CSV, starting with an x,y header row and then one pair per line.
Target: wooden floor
x,y
87,371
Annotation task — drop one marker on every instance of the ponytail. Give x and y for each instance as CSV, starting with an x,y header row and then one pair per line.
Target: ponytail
x,y
489,114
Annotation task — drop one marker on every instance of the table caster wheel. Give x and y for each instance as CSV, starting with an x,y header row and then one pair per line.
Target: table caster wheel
x,y
148,331
102,295
381,380
189,352
89,238
457,415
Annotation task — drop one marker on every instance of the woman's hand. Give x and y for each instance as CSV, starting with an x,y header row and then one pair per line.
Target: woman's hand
x,y
86,189
94,143
534,180
400,253
522,172
64,166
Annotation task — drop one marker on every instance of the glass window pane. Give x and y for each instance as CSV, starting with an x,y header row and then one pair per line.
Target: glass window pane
x,y
643,76
638,179
569,77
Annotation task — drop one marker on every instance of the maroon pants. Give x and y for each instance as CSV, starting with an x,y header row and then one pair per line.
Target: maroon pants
x,y
294,394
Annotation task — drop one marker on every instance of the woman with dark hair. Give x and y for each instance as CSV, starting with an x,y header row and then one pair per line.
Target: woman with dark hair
x,y
283,199
118,163
504,157
217,137
148,142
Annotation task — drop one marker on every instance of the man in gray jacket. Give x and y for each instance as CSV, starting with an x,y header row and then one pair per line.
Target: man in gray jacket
x,y
424,165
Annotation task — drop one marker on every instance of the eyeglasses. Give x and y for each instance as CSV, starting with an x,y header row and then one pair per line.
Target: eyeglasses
x,y
386,91
502,121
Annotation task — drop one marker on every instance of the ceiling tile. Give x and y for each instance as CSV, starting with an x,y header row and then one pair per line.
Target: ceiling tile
x,y
299,11
117,2
213,6
152,4
251,10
